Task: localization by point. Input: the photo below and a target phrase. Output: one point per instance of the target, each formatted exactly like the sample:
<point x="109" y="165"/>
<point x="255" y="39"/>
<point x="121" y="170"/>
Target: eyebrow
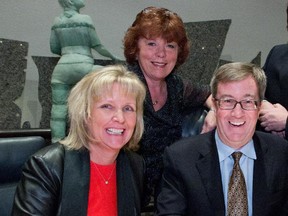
<point x="245" y="96"/>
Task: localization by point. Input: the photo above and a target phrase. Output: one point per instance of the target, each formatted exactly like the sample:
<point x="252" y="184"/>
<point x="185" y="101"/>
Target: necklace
<point x="155" y="102"/>
<point x="106" y="181"/>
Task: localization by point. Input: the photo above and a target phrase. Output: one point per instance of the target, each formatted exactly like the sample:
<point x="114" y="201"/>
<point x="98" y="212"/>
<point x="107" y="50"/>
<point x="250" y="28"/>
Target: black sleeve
<point x="38" y="191"/>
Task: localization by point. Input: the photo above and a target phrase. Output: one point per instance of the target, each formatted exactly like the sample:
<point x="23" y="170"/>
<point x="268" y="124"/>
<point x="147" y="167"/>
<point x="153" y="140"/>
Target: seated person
<point x="233" y="170"/>
<point x="92" y="171"/>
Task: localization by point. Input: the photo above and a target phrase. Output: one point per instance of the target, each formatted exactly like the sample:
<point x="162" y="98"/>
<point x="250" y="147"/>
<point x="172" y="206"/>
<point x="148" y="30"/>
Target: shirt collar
<point x="225" y="151"/>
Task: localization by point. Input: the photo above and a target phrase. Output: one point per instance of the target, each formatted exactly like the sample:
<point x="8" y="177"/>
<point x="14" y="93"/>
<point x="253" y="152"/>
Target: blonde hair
<point x="89" y="90"/>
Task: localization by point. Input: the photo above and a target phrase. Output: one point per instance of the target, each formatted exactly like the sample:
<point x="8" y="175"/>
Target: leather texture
<point x="56" y="182"/>
<point x="14" y="151"/>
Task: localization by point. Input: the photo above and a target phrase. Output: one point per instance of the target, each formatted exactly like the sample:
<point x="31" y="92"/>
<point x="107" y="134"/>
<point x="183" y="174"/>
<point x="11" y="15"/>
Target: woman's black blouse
<point x="164" y="127"/>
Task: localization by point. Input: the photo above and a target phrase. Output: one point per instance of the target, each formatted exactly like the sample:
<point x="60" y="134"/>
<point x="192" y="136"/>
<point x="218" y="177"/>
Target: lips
<point x="114" y="131"/>
<point x="158" y="64"/>
<point x="236" y="124"/>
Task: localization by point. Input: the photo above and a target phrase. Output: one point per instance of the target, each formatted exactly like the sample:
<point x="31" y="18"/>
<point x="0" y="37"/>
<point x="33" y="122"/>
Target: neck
<point x="158" y="94"/>
<point x="72" y="9"/>
<point x="156" y="87"/>
<point x="69" y="13"/>
<point x="102" y="157"/>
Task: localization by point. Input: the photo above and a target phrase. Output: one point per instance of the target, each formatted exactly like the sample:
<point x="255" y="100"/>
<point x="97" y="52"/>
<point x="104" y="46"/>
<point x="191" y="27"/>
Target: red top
<point x="102" y="197"/>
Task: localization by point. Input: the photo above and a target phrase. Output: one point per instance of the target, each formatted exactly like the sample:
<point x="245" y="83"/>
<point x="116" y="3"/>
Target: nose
<point x="119" y="116"/>
<point x="237" y="111"/>
<point x="161" y="51"/>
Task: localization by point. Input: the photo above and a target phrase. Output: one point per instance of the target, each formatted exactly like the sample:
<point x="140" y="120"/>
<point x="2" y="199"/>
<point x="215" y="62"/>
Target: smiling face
<point x="156" y="57"/>
<point x="112" y="121"/>
<point x="236" y="127"/>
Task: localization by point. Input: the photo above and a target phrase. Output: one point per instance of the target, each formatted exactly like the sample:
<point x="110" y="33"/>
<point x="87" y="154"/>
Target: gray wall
<point x="257" y="25"/>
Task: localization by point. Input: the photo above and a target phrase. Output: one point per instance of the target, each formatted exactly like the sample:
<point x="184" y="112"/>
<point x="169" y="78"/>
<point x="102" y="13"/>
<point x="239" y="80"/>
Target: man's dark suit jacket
<point x="56" y="182"/>
<point x="276" y="70"/>
<point x="191" y="183"/>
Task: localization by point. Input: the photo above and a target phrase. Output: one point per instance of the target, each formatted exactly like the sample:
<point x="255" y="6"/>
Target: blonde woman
<point x="93" y="170"/>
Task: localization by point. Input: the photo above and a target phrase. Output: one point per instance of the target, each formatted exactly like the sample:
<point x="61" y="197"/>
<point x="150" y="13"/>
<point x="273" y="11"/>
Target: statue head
<point x="72" y="4"/>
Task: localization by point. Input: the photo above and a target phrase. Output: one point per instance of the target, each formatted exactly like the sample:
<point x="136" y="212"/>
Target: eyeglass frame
<point x="218" y="100"/>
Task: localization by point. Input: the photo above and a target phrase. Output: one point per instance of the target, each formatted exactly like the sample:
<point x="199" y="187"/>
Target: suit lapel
<point x="75" y="186"/>
<point x="209" y="170"/>
<point x="259" y="179"/>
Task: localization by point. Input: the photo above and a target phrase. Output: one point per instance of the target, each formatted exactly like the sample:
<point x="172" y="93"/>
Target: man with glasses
<point x="203" y="175"/>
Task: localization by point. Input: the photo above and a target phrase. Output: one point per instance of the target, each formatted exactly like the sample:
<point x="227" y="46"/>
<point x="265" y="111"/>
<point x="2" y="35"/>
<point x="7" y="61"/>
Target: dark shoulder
<point x="200" y="143"/>
<point x="270" y="138"/>
<point x="272" y="148"/>
<point x="52" y="151"/>
<point x="281" y="46"/>
<point x="279" y="49"/>
<point x="271" y="141"/>
<point x="49" y="157"/>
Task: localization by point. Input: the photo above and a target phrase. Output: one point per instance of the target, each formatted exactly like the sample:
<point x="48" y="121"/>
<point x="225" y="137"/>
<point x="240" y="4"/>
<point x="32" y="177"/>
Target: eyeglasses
<point x="230" y="104"/>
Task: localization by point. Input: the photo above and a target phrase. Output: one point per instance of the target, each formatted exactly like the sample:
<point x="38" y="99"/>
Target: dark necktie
<point x="237" y="193"/>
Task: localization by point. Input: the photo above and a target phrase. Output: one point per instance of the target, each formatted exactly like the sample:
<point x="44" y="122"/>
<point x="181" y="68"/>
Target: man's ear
<point x="214" y="102"/>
